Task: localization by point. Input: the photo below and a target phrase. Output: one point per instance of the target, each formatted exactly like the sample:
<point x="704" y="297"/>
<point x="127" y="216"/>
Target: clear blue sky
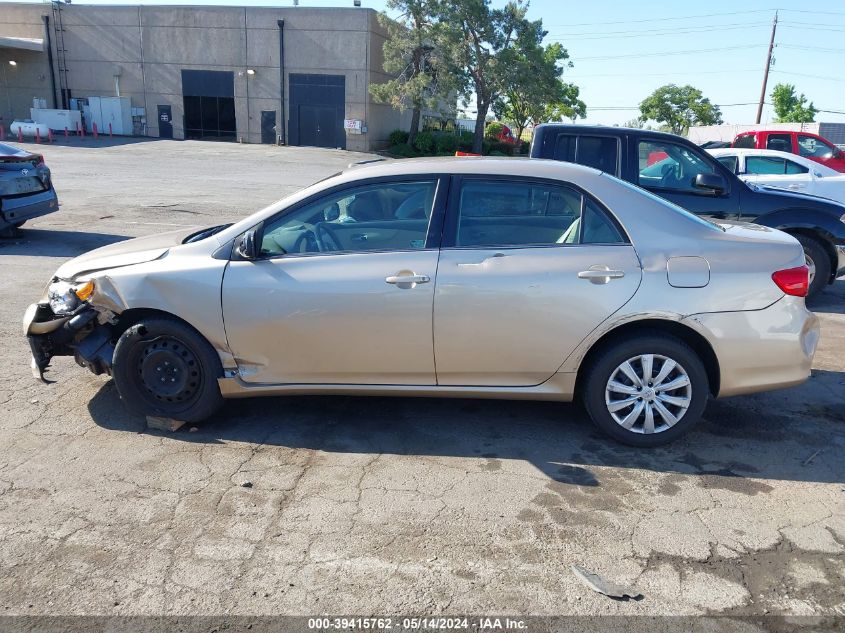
<point x="622" y="50"/>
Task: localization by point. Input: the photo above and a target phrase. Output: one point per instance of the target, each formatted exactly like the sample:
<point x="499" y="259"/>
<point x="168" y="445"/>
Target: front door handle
<point x="600" y="274"/>
<point x="407" y="280"/>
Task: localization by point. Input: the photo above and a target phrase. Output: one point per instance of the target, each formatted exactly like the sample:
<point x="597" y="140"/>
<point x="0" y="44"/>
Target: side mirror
<point x="714" y="182"/>
<point x="331" y="212"/>
<point x="246" y="247"/>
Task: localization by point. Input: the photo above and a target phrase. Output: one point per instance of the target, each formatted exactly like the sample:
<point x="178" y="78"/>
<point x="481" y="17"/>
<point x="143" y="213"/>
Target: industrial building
<point x="293" y="75"/>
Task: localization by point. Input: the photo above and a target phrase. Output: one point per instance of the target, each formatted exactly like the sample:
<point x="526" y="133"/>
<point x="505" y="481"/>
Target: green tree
<point x="790" y="107"/>
<point x="679" y="107"/>
<point x="411" y="56"/>
<point x="537" y="94"/>
<point x="484" y="47"/>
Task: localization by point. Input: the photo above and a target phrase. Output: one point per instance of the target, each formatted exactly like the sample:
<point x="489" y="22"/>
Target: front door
<point x="669" y="169"/>
<point x="317" y="126"/>
<point x="268" y="126"/>
<point x="528" y="270"/>
<point x="343" y="292"/>
<point x="165" y="122"/>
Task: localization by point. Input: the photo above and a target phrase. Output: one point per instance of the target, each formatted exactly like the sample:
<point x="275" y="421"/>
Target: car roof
<point x="606" y="130"/>
<point x="486" y="165"/>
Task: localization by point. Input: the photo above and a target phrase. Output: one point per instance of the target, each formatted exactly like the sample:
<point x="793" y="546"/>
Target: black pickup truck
<point x="676" y="169"/>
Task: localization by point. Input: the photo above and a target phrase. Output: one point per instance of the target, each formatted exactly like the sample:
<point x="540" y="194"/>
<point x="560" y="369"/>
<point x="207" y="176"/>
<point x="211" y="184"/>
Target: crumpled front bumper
<point x="79" y="334"/>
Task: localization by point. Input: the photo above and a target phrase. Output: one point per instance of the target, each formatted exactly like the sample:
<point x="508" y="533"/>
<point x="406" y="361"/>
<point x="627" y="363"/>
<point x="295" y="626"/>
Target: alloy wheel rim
<point x="811" y="265"/>
<point x="649" y="393"/>
<point x="169" y="371"/>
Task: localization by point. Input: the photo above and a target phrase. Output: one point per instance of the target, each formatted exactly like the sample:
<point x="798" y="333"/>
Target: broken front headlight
<point x="65" y="297"/>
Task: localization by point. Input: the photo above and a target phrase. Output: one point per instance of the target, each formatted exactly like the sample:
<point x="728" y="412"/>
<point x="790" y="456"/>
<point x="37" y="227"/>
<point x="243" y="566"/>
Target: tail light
<point x="38" y="159"/>
<point x="793" y="281"/>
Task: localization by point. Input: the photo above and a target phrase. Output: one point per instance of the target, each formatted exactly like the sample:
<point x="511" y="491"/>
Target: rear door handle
<point x="600" y="274"/>
<point x="408" y="279"/>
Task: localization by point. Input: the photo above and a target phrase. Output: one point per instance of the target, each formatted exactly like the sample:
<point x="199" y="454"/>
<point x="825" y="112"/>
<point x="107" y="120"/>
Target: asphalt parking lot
<point x="383" y="506"/>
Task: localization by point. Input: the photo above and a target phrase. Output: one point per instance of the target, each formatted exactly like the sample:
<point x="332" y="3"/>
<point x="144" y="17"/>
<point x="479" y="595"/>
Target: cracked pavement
<point x="376" y="505"/>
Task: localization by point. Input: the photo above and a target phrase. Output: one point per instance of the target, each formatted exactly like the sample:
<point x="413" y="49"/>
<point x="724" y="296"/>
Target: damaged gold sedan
<point x="441" y="277"/>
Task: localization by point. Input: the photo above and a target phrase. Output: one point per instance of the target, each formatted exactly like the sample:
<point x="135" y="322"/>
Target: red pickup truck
<point x="805" y="144"/>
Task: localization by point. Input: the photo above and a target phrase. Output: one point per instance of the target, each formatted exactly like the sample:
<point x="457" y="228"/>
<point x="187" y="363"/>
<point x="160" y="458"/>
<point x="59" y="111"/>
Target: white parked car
<point x="784" y="171"/>
<point x="28" y="127"/>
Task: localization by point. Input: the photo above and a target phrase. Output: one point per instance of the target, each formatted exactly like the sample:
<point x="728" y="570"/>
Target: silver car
<point x="467" y="277"/>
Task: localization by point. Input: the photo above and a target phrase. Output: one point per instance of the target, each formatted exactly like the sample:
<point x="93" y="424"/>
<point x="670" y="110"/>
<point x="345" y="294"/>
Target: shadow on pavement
<point x="831" y="299"/>
<point x="50" y="243"/>
<point x="734" y="443"/>
<point x="88" y="141"/>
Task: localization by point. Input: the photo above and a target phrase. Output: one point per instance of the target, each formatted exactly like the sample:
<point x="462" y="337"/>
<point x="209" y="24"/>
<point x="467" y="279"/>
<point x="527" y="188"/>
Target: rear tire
<point x="163" y="367"/>
<point x="818" y="261"/>
<point x="625" y="404"/>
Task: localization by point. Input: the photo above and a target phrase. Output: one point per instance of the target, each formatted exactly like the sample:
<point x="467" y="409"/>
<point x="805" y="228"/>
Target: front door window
<point x="665" y="165"/>
<point x="388" y="216"/>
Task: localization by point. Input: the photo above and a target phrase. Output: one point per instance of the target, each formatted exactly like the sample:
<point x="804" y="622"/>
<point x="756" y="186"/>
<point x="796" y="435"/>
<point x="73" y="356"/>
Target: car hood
<point x="816" y="201"/>
<point x="127" y="253"/>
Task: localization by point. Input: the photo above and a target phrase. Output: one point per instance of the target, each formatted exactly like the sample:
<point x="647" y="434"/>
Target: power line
<point x="819" y="49"/>
<point x="818" y="28"/>
<point x="591" y="35"/>
<point x="681" y="72"/>
<point x="667" y="53"/>
<point x="824" y="77"/>
<point x="813" y="12"/>
<point x="682" y="17"/>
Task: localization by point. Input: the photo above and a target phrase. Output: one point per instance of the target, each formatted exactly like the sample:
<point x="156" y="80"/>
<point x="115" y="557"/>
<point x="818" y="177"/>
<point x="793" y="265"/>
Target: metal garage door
<point x="209" y="99"/>
<point x="317" y="108"/>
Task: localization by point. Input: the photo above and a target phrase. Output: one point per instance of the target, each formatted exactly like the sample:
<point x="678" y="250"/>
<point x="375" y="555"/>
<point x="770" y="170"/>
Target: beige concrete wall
<point x="30" y="77"/>
<point x="149" y="46"/>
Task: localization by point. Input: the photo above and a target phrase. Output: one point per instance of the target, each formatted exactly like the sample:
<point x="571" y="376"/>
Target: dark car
<point x="26" y="190"/>
<point x="676" y="169"/>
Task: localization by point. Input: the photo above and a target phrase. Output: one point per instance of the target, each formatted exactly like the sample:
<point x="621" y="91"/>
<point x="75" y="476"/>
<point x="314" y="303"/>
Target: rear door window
<point x="779" y="142"/>
<point x="565" y="148"/>
<point x="494" y="213"/>
<point x="598" y="152"/>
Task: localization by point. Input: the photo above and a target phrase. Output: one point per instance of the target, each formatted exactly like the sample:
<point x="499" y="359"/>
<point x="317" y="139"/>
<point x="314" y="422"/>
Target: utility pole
<point x="766" y="70"/>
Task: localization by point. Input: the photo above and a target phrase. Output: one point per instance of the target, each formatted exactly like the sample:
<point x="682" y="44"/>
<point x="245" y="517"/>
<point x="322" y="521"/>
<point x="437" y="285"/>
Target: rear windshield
<point x="8" y="150"/>
<point x="692" y="216"/>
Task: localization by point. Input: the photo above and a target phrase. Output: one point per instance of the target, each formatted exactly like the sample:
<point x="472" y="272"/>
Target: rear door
<point x="528" y="269"/>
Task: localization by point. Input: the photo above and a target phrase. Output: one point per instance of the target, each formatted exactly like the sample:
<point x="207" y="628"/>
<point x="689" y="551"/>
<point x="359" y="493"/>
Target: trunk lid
<point x="21" y="173"/>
